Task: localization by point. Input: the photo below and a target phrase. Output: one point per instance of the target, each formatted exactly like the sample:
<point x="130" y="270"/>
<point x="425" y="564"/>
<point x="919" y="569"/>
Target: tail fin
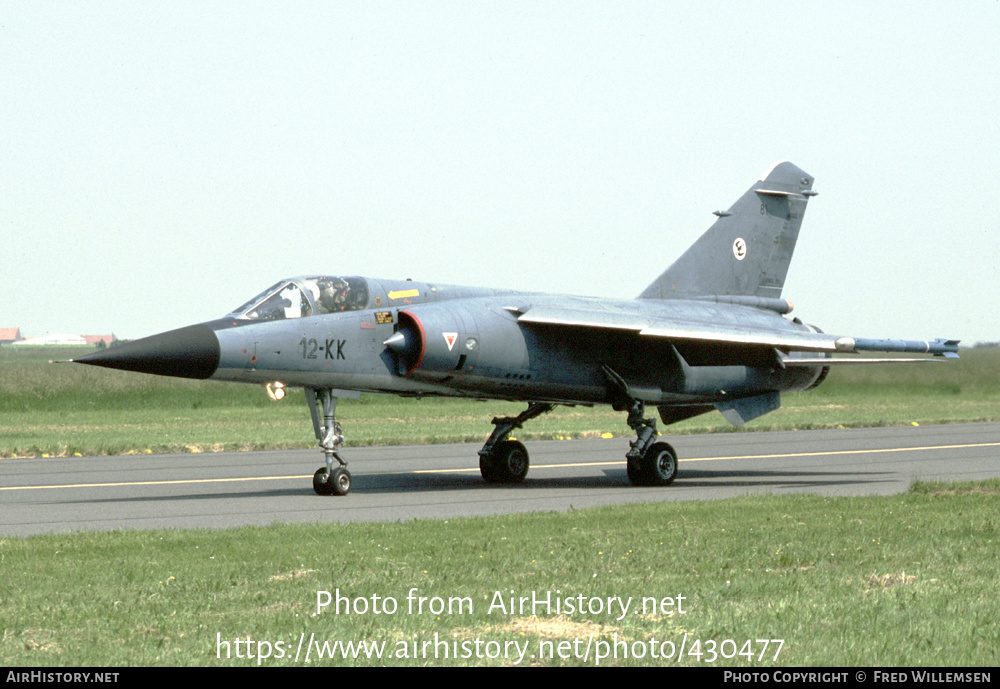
<point x="748" y="249"/>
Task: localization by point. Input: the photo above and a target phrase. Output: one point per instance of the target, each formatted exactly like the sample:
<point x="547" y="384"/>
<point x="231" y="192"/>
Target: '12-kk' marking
<point x="334" y="349"/>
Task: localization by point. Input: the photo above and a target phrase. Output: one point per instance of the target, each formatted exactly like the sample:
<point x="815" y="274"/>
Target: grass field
<point x="908" y="580"/>
<point x="60" y="410"/>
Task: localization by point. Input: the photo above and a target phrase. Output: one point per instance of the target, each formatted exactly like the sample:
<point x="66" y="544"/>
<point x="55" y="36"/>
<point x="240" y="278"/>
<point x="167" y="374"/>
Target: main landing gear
<point x="328" y="480"/>
<point x="649" y="463"/>
<point x="503" y="460"/>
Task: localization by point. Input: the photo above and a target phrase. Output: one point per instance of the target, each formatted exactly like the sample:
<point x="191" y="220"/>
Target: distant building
<point x="10" y="335"/>
<point x="94" y="339"/>
<point x="13" y="336"/>
<point x="56" y="339"/>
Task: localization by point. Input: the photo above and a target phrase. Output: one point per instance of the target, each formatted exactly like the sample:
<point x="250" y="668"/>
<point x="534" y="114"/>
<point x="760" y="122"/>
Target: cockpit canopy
<point x="308" y="296"/>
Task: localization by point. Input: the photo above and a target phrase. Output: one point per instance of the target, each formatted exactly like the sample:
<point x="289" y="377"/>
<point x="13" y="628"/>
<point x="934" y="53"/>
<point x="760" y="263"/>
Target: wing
<point x="731" y="329"/>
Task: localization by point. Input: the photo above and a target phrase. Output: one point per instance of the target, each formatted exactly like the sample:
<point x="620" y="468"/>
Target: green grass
<point x="62" y="410"/>
<point x="905" y="580"/>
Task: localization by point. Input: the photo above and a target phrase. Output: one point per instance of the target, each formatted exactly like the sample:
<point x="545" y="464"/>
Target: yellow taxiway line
<point x="476" y="469"/>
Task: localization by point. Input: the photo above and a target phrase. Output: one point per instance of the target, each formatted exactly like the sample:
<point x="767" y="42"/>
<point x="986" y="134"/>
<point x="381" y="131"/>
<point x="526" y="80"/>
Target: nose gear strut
<point x="328" y="480"/>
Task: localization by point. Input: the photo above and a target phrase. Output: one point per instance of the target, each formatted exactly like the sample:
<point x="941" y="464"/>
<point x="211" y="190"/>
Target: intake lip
<point x="189" y="352"/>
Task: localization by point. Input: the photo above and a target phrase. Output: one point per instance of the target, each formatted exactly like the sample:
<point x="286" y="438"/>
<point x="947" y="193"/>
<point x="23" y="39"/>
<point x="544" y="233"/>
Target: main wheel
<point x="507" y="463"/>
<point x="635" y="475"/>
<point x="486" y="468"/>
<point x="659" y="465"/>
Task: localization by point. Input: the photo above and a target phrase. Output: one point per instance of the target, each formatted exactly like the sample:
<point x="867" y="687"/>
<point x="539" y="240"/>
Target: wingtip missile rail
<point x="939" y="347"/>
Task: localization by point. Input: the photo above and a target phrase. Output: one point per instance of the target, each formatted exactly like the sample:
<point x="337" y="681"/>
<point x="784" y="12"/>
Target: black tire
<point x="320" y="483"/>
<point x="486" y="468"/>
<point x="635" y="474"/>
<point x="341" y="481"/>
<point x="508" y="463"/>
<point x="659" y="465"/>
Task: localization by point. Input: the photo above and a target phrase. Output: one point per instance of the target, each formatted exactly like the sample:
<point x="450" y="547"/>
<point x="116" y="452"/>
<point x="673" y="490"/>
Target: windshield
<point x="306" y="297"/>
<point x="283" y="300"/>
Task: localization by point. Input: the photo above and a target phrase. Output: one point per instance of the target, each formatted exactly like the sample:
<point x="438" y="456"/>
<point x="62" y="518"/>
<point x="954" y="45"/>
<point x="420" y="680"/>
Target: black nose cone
<point x="191" y="352"/>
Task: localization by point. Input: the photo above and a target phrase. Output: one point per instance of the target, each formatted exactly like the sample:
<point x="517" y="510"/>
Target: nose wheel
<point x="339" y="483"/>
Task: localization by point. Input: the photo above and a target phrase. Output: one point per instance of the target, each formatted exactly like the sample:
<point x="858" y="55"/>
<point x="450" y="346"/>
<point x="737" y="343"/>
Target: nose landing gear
<point x="328" y="480"/>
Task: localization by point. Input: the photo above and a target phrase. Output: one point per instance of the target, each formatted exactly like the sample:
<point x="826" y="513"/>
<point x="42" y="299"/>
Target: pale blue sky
<point x="162" y="162"/>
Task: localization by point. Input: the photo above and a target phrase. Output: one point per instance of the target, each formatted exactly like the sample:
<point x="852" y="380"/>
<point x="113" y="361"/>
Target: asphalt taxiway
<point x="229" y="489"/>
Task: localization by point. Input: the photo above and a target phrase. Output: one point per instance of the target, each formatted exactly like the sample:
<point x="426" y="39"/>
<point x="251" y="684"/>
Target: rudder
<point x="747" y="251"/>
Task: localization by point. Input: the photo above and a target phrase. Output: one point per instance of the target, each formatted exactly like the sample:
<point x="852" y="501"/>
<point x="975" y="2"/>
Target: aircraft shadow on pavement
<point x="617" y="479"/>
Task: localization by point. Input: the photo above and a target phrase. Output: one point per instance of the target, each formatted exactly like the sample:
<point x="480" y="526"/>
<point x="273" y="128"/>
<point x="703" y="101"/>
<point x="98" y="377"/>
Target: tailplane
<point x="748" y="249"/>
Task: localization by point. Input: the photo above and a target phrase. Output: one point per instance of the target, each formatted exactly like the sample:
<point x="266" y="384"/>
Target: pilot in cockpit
<point x="333" y="294"/>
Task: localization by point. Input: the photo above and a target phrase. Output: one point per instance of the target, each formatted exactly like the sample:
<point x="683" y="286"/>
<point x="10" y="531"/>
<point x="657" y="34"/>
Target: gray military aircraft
<point x="710" y="333"/>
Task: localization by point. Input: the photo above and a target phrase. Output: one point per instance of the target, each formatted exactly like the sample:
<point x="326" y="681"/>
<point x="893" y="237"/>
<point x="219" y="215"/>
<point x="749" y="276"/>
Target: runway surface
<point x="437" y="481"/>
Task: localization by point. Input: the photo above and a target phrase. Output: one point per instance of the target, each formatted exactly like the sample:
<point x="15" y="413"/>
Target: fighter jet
<point x="711" y="333"/>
